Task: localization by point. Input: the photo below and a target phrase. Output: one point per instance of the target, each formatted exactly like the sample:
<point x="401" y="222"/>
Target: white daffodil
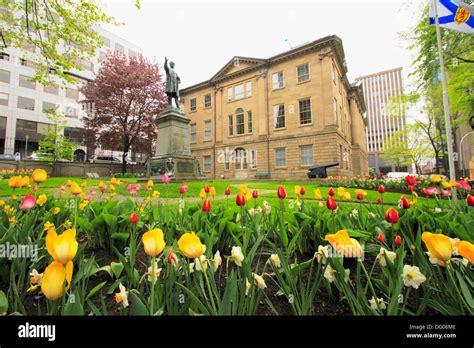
<point x="191" y="267"/>
<point x="299" y="204"/>
<point x="434" y="260"/>
<point x="378" y="303"/>
<point x="383" y="254"/>
<point x="259" y="281"/>
<point x="322" y="254"/>
<point x="321" y="204"/>
<point x="438" y="210"/>
<point x="122" y="296"/>
<point x="372" y="215"/>
<point x="275" y="260"/>
<point x="267" y="208"/>
<point x="330" y="274"/>
<point x="236" y="255"/>
<point x="354" y="213"/>
<point x="157" y="272"/>
<point x="216" y="261"/>
<point x="200" y="263"/>
<point x="247" y="287"/>
<point x="237" y="218"/>
<point x="412" y="276"/>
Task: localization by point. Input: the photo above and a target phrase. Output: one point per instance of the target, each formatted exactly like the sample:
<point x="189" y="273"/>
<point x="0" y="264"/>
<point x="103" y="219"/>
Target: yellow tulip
<point x="317" y="194"/>
<point x="84" y="184"/>
<point x="212" y="191"/>
<point x="150" y="183"/>
<point x="465" y="249"/>
<point x="435" y="178"/>
<point x="75" y="189"/>
<point x="343" y="244"/>
<point x="39" y="175"/>
<point x="153" y="242"/>
<point x="52" y="284"/>
<point x="347" y="196"/>
<point x="202" y="194"/>
<point x="341" y="192"/>
<point x="156" y="194"/>
<point x="297" y="190"/>
<point x="191" y="246"/>
<point x="439" y="246"/>
<point x="62" y="248"/>
<point x="14" y="182"/>
<point x="24" y="181"/>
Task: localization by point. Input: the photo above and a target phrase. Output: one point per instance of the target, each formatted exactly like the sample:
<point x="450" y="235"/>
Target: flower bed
<point x="86" y="252"/>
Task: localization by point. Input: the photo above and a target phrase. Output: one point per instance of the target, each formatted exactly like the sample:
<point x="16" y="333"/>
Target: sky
<point x="201" y="37"/>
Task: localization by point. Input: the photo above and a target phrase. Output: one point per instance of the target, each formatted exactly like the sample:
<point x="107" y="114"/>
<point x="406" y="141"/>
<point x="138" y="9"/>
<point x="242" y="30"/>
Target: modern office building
<point x="277" y="117"/>
<point x="23" y="102"/>
<point x="382" y="121"/>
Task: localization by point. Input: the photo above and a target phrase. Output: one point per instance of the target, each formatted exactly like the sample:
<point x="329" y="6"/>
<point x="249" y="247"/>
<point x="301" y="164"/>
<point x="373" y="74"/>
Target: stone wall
<point x="75" y="169"/>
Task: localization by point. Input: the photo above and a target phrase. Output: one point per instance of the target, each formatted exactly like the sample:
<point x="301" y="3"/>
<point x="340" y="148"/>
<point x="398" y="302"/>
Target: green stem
<point x="208" y="286"/>
<point x="152" y="285"/>
<point x="370" y="285"/>
<point x="75" y="211"/>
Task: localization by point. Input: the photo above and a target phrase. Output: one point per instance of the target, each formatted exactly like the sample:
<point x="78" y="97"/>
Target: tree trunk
<point x="126" y="147"/>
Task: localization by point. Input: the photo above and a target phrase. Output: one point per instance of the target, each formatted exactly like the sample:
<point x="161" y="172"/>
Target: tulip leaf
<point x="137" y="307"/>
<point x="116" y="268"/>
<point x="465" y="291"/>
<point x="3" y="302"/>
<point x="123" y="236"/>
<point x="95" y="289"/>
<point x="73" y="305"/>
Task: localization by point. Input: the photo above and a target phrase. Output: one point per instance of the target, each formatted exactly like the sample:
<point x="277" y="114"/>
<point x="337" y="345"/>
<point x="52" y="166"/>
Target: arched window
<point x="240" y="158"/>
<point x="239" y="121"/>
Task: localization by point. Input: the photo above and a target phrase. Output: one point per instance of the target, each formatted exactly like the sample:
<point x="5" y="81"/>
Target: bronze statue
<point x="172" y="83"/>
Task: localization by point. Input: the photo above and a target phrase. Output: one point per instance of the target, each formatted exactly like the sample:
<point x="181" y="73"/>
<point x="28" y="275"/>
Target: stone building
<point x="276" y="117"/>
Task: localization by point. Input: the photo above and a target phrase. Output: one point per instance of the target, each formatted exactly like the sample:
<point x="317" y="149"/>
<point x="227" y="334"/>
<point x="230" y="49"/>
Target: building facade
<point x="379" y="90"/>
<point x="24" y="102"/>
<point x="277" y="117"/>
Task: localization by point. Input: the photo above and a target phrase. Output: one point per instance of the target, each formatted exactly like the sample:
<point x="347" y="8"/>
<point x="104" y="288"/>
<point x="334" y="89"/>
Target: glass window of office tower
<point x="105" y="41"/>
<point x="72" y="93"/>
<point x="26" y="103"/>
<point x="49" y="106"/>
<point x="25" y="81"/>
<point x="52" y="89"/>
<point x="4" y="99"/>
<point x="119" y="47"/>
<point x="4" y="76"/>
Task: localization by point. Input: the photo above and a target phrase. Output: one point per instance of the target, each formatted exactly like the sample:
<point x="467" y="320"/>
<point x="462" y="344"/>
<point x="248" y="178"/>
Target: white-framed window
<point x="248" y="89"/>
<point x="305" y="111"/>
<point x="207" y="101"/>
<point x="306" y="155"/>
<point x="193" y="133"/>
<point x="4" y="97"/>
<point x="239" y="122"/>
<point x="4" y="76"/>
<point x="226" y="161"/>
<point x="207" y="130"/>
<point x="207" y="163"/>
<point x="335" y="110"/>
<point x="105" y="41"/>
<point x="239" y="91"/>
<point x="249" y="122"/>
<point x="72" y="93"/>
<point x="25" y="81"/>
<point x="49" y="106"/>
<point x="254" y="159"/>
<point x="25" y="103"/>
<point x="240" y="158"/>
<point x="119" y="47"/>
<point x="51" y="89"/>
<point x="231" y="125"/>
<point x="302" y="71"/>
<point x="279" y="116"/>
<point x="280" y="157"/>
<point x="229" y="94"/>
<point x="277" y="80"/>
<point x="192" y="104"/>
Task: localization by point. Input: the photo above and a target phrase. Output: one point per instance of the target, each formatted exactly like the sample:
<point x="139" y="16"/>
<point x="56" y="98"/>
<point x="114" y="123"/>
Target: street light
<point x="461" y="164"/>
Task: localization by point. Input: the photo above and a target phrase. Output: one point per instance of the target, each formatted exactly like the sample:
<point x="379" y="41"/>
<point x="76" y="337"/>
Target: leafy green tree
<point x="59" y="34"/>
<point x="55" y="144"/>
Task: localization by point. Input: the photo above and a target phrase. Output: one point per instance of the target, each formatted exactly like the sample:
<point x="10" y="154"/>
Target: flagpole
<point x="447" y="117"/>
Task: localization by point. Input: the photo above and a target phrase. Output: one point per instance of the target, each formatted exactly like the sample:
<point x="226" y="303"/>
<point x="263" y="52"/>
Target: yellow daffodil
<point x="39" y="175"/>
<point x="191" y="246"/>
<point x="84" y="184"/>
<point x="12" y="220"/>
<point x="2" y="202"/>
<point x="150" y="183"/>
<point x="63" y="247"/>
<point x="259" y="281"/>
<point x="317" y="194"/>
<point x="122" y="296"/>
<point x="41" y="200"/>
<point x="439" y="246"/>
<point x="153" y="242"/>
<point x="47" y="226"/>
<point x="56" y="210"/>
<point x="275" y="260"/>
<point x="343" y="244"/>
<point x="466" y="250"/>
<point x="83" y="204"/>
<point x="156" y="194"/>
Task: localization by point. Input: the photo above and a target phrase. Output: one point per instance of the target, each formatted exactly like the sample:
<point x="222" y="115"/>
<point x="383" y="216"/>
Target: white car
<point x="396" y="175"/>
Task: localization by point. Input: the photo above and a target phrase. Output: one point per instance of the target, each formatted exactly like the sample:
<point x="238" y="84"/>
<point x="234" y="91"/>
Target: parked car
<point x="396" y="175"/>
<point x="5" y="157"/>
<point x="41" y="156"/>
<point x="104" y="159"/>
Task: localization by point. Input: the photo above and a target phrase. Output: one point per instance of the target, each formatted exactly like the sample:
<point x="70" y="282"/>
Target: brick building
<point x="276" y="117"/>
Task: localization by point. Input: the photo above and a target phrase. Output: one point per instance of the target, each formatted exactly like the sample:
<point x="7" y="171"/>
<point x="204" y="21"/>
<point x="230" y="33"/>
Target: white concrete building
<point x="22" y="102"/>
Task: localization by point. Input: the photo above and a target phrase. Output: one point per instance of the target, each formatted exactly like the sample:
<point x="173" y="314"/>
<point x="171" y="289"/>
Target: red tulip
<point x="302" y="191"/>
<point x="331" y="192"/>
<point x="463" y="185"/>
<point x="411" y="188"/>
<point x="281" y="192"/>
<point x="227" y="191"/>
<point x="133" y="218"/>
<point x="398" y="240"/>
<point x="103" y="188"/>
<point x="379" y="200"/>
<point x="360" y="196"/>
<point x="206" y="205"/>
<point x="403" y="203"/>
<point x="172" y="257"/>
<point x="470" y="200"/>
<point x="380" y="238"/>
<point x="331" y="203"/>
<point x="240" y="199"/>
<point x="206" y="188"/>
<point x="381" y="189"/>
<point x="35" y="187"/>
<point x="183" y="188"/>
<point x="28" y="202"/>
<point x="391" y="215"/>
<point x="255" y="194"/>
<point x="410" y="180"/>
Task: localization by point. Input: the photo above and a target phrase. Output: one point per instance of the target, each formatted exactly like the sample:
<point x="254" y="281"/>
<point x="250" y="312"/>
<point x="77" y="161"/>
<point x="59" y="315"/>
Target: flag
<point x="454" y="15"/>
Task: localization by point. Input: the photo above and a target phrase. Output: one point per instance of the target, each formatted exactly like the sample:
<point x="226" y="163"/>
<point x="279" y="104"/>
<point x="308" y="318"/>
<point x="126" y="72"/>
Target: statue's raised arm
<point x="172" y="83"/>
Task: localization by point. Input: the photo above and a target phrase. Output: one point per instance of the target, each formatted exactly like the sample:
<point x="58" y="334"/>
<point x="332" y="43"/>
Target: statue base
<point x="173" y="154"/>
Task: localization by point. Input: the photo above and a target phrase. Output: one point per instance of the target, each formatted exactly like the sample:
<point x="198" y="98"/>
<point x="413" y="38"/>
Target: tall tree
<point x="59" y="34"/>
<point x="126" y="96"/>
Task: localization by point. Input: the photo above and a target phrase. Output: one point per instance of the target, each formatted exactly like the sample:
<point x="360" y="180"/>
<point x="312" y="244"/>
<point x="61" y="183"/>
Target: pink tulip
<point x="34" y="188"/>
<point x="62" y="187"/>
<point x="463" y="185"/>
<point x="445" y="193"/>
<point x="166" y="179"/>
<point x="103" y="188"/>
<point x="128" y="186"/>
<point x="133" y="192"/>
<point x="92" y="192"/>
<point x="138" y="187"/>
<point x="431" y="191"/>
<point x="28" y="202"/>
<point x="147" y="188"/>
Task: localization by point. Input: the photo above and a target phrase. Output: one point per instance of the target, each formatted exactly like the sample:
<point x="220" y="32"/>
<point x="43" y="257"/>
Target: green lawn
<point x="266" y="188"/>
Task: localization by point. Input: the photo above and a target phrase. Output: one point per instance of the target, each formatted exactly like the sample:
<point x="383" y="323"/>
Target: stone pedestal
<point x="172" y="152"/>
